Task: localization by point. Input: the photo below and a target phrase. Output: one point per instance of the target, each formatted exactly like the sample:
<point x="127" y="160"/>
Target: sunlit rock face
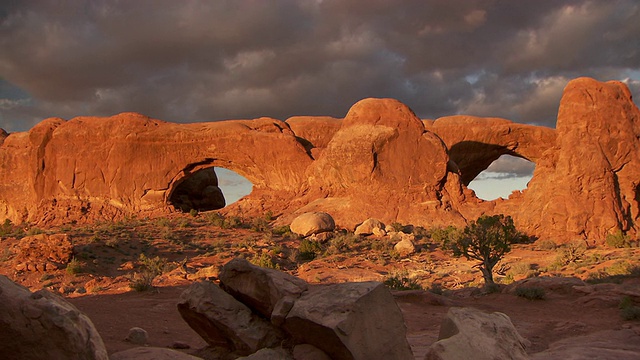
<point x="380" y="161"/>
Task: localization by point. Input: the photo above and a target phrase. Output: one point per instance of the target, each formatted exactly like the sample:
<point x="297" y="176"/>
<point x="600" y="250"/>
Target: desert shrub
<point x="233" y="222"/>
<point x="281" y="230"/>
<point x="402" y="281"/>
<point x="621" y="267"/>
<point x="215" y="219"/>
<point x="193" y="212"/>
<point x="520" y="268"/>
<point x="264" y="260"/>
<point x="163" y="222"/>
<point x="628" y="310"/>
<point x="150" y="269"/>
<point x="308" y="250"/>
<point x="396" y="226"/>
<point x="74" y="267"/>
<point x="530" y="293"/>
<point x="546" y="245"/>
<point x="6" y="254"/>
<point x="268" y="216"/>
<point x="382" y="245"/>
<point x="572" y="252"/>
<point x="35" y="231"/>
<point x="486" y="240"/>
<point x="443" y="236"/>
<point x="618" y="240"/>
<point x="420" y="232"/>
<point x="183" y="223"/>
<point x="6" y="228"/>
<point x="259" y="224"/>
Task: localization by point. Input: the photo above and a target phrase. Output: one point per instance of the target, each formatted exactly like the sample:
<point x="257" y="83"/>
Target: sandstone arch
<point x="128" y="163"/>
<point x="474" y="142"/>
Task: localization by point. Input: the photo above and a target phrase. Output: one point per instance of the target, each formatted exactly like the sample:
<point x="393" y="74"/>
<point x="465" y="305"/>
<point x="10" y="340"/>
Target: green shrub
<point x="264" y="260"/>
<point x="397" y="227"/>
<point x="163" y="222"/>
<point x="308" y="250"/>
<point x="259" y="225"/>
<point x="618" y="240"/>
<point x="621" y="267"/>
<point x="531" y="293"/>
<point x="74" y="267"/>
<point x="150" y="269"/>
<point x="443" y="236"/>
<point x="281" y="230"/>
<point x="402" y="281"/>
<point x="193" y="212"/>
<point x="628" y="310"/>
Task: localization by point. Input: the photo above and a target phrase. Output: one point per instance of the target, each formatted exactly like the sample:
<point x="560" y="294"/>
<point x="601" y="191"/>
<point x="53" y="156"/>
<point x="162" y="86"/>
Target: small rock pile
<point x="259" y="312"/>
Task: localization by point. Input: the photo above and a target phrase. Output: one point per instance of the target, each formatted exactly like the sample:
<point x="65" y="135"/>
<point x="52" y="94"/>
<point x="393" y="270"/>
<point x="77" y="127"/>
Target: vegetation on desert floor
<point x="143" y="254"/>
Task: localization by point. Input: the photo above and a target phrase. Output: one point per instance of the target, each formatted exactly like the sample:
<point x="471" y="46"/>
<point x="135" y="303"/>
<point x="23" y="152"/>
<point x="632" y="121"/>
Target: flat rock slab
<point x="607" y="344"/>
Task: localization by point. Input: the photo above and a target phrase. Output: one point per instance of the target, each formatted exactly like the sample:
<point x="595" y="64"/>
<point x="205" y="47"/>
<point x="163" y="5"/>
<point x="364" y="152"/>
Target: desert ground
<point x="131" y="273"/>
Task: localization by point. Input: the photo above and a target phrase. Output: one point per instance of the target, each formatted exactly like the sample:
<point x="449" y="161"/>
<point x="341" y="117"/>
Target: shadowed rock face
<point x="380" y="161"/>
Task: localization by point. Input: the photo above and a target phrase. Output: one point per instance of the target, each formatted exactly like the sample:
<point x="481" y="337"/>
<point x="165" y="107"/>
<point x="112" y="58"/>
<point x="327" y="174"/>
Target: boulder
<point x="468" y="333"/>
<point x="607" y="344"/>
<point x="35" y="324"/>
<point x="312" y="223"/>
<point x="350" y="321"/>
<point x="221" y="320"/>
<point x="405" y="246"/>
<point x="371" y="227"/>
<point x="43" y="252"/>
<point x="137" y="336"/>
<point x="257" y="287"/>
<point x="151" y="353"/>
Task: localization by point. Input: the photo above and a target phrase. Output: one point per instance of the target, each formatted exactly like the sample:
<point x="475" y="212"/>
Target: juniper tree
<point x="487" y="240"/>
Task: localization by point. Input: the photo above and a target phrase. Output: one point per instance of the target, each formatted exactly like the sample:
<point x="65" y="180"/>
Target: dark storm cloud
<point x="210" y="60"/>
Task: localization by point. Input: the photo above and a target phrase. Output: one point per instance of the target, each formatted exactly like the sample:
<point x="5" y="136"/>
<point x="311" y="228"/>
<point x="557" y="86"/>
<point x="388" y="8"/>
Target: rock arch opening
<point x="209" y="188"/>
<point x="502" y="177"/>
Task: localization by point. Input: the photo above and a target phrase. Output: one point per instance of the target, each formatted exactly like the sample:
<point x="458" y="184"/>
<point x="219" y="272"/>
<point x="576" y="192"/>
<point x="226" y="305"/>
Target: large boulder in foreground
<point x="223" y="321"/>
<point x="43" y="325"/>
<point x="259" y="288"/>
<point x="468" y="333"/>
<point x="350" y="321"/>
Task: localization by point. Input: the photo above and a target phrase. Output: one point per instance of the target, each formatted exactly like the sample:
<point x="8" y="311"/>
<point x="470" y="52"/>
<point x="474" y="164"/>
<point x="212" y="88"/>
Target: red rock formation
<point x="381" y="161"/>
<point x="587" y="185"/>
<point x="89" y="168"/>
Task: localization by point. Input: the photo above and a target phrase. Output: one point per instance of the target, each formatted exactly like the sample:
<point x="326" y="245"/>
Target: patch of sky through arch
<point x="233" y="185"/>
<point x="502" y="177"/>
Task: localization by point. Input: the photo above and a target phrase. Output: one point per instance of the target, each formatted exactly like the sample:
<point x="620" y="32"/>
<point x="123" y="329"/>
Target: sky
<point x="191" y="61"/>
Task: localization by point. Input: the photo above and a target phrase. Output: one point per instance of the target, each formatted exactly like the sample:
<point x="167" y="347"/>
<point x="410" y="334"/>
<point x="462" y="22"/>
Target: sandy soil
<point x="109" y="258"/>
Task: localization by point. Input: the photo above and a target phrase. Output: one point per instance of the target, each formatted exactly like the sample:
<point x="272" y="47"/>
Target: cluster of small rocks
<point x="319" y="226"/>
